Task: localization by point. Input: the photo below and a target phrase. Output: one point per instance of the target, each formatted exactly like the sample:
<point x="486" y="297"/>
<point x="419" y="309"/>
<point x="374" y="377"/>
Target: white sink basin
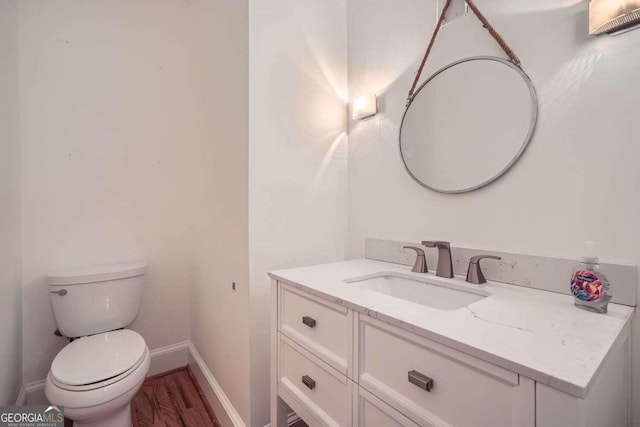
<point x="442" y="294"/>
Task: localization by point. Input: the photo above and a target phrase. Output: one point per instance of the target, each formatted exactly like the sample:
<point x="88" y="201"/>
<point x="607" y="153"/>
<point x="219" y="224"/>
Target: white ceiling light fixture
<point x="612" y="16"/>
<point x="364" y="107"/>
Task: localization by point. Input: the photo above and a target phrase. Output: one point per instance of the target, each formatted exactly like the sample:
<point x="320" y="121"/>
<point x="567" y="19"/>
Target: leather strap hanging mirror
<point x="469" y="122"/>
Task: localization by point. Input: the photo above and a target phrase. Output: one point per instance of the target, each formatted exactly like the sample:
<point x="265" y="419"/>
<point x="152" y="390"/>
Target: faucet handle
<point x="436" y="244"/>
<point x="476" y="259"/>
<point x="420" y="266"/>
<point x="474" y="272"/>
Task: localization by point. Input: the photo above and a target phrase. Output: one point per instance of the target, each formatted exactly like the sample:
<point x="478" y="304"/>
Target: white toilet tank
<point x="91" y="300"/>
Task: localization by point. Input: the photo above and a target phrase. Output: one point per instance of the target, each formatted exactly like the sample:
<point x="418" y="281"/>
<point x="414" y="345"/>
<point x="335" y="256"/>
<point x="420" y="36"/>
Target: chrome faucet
<point x="420" y="266"/>
<point x="445" y="266"/>
<point x="474" y="273"/>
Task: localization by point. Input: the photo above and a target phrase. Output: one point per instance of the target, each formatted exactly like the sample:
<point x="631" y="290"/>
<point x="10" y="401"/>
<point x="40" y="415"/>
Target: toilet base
<point x="120" y="418"/>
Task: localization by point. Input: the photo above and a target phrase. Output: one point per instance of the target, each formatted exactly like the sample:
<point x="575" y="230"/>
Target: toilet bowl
<point x="97" y="374"/>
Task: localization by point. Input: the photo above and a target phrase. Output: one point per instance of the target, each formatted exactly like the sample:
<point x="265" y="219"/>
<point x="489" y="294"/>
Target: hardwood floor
<point x="172" y="399"/>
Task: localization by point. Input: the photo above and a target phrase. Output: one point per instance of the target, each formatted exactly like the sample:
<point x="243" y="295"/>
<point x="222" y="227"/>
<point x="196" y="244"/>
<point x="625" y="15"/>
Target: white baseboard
<point x="22" y="397"/>
<point x="169" y="357"/>
<point x="162" y="359"/>
<point x="220" y="403"/>
<point x="34" y="393"/>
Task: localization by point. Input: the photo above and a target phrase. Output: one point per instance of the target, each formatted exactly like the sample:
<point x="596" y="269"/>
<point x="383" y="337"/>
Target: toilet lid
<point x="98" y="357"/>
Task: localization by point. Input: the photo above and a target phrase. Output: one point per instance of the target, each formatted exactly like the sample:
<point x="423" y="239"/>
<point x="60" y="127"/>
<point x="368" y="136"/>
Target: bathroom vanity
<point x="369" y="343"/>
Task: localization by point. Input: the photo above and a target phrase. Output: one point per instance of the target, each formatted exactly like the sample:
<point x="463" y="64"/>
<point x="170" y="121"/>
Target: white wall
<point x="11" y="301"/>
<point x="220" y="315"/>
<point x="297" y="154"/>
<point x="144" y="156"/>
<point x="579" y="178"/>
<point x="109" y="140"/>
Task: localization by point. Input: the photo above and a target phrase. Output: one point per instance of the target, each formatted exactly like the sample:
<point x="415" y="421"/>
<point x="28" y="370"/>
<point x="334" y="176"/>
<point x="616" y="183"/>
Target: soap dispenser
<point x="589" y="285"/>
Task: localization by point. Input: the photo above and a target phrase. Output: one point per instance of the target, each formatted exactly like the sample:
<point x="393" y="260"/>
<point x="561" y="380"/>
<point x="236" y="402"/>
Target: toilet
<point x="97" y="374"/>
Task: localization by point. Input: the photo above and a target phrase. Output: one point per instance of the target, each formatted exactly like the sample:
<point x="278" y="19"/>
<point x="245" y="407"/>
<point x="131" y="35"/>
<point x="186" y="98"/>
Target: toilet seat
<point x="98" y="360"/>
<point x="93" y="401"/>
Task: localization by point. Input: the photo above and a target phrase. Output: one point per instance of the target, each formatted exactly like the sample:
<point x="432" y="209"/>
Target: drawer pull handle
<point x="309" y="382"/>
<point x="421" y="380"/>
<point x="309" y="321"/>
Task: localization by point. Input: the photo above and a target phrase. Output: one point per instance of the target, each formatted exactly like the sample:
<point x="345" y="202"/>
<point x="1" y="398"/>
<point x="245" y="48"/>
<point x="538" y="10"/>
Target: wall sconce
<point x="610" y="16"/>
<point x="364" y="107"/>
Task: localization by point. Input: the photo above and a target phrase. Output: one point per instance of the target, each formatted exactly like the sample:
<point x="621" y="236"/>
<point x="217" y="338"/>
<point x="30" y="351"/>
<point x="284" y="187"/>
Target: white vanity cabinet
<point x="335" y="366"/>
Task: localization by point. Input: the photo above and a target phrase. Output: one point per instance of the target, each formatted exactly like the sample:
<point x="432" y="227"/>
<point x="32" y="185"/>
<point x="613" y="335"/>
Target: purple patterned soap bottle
<point x="589" y="285"/>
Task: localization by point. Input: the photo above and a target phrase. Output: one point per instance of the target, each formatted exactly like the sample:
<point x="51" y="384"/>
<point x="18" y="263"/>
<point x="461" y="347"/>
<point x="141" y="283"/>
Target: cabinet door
<point x="434" y="385"/>
<point x="373" y="412"/>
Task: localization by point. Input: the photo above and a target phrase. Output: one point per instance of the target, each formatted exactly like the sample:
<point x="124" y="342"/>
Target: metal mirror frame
<point x="523" y="147"/>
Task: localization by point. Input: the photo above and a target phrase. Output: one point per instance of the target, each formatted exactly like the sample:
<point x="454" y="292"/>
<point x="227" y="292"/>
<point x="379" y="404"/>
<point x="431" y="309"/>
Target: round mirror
<point x="468" y="124"/>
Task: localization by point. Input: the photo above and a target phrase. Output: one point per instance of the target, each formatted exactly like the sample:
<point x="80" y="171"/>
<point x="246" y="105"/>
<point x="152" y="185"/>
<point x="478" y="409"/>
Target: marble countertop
<point x="535" y="333"/>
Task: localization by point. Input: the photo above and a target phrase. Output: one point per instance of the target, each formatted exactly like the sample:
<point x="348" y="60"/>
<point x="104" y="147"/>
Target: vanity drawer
<point x="434" y="385"/>
<point x="324" y="394"/>
<point x="323" y="328"/>
<point x="373" y="412"/>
